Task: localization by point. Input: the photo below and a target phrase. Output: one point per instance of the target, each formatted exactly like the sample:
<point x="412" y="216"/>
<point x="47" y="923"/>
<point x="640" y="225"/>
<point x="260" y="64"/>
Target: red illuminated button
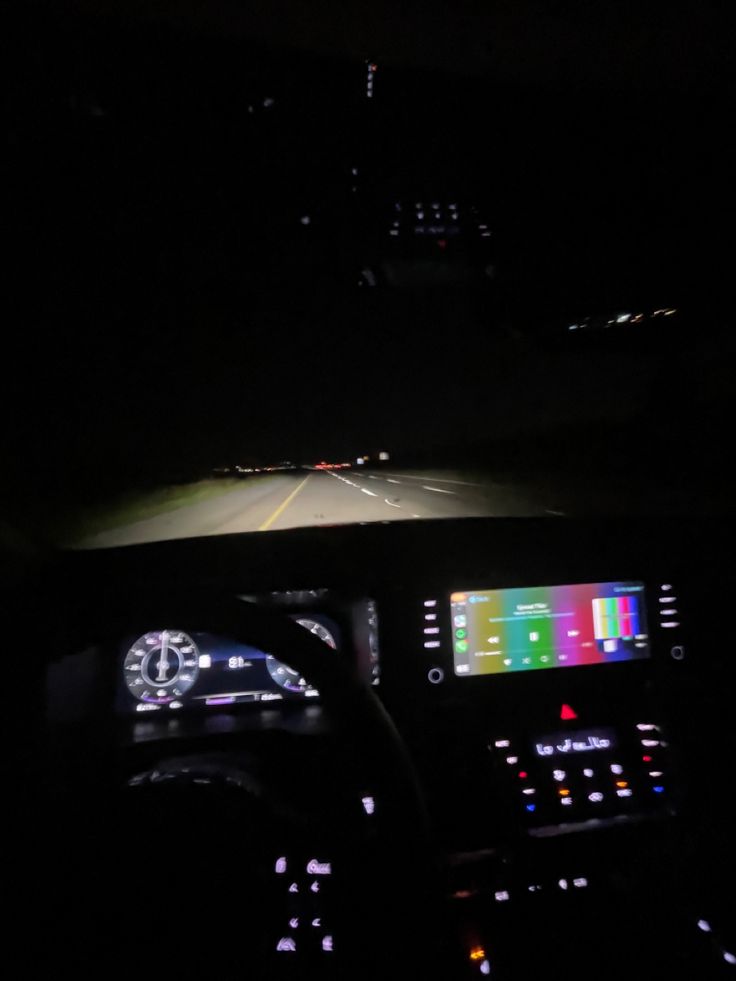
<point x="523" y="774"/>
<point x="567" y="712"/>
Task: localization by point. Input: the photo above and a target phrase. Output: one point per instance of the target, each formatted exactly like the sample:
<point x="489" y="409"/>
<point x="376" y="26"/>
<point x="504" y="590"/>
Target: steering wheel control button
<point x="435" y="676"/>
<point x="314" y="867"/>
<point x="369" y="805"/>
<point x="306" y="909"/>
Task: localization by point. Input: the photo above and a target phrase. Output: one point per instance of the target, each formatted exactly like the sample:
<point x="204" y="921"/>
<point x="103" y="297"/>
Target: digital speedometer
<point x="161" y="666"/>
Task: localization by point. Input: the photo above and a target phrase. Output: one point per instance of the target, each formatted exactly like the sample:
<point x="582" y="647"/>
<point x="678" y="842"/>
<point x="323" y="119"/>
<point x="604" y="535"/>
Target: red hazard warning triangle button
<point x="568" y="712"/>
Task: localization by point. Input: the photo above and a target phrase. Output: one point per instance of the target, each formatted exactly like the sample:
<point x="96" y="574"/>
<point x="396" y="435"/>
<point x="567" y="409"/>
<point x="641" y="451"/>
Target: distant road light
<point x="360" y="461"/>
<point x="383" y="455"/>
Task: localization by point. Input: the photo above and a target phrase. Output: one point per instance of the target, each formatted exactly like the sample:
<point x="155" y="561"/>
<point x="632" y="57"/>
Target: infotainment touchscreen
<point x="497" y="631"/>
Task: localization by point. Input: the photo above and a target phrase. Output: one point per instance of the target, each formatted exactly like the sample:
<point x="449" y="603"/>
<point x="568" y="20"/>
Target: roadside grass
<point x="75" y="526"/>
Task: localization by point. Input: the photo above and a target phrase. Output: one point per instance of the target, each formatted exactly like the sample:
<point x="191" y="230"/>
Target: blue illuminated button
<point x="531" y="807"/>
<point x="658" y="790"/>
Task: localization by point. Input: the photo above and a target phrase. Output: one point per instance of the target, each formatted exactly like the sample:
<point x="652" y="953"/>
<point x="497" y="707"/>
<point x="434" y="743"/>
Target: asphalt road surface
<point x="317" y="497"/>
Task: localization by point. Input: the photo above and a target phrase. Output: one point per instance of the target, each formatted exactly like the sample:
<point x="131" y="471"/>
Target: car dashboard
<point x="558" y="685"/>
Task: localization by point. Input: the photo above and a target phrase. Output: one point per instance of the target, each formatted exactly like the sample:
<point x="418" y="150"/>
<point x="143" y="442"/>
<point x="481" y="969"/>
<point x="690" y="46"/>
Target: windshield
<point x="267" y="274"/>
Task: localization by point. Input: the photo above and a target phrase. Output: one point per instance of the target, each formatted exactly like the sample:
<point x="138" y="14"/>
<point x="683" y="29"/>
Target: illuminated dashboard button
<point x="531" y="807"/>
<point x="430" y="603"/>
<point x="587" y="772"/>
<point x="616" y="768"/>
<point x="559" y="774"/>
<point x="327" y="944"/>
<point x="624" y="793"/>
<point x="567" y="801"/>
<point x="512" y="760"/>
<point x="670" y="624"/>
<point x="529" y="790"/>
<point x="655" y="773"/>
<point x="580" y="883"/>
<point x="429" y="644"/>
<point x="646" y="727"/>
<point x="431" y="630"/>
<point x="502" y="896"/>
<point x="435" y="676"/>
<point x="502" y="743"/>
<point x="650" y="742"/>
<point x="281" y="865"/>
<point x="286" y="945"/>
<point x="315" y="867"/>
<point x="596" y="797"/>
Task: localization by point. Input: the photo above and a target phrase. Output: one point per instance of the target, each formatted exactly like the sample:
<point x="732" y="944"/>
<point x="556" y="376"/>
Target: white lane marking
<point x="438" y="490"/>
<point x="343" y="479"/>
<point x="371" y="477"/>
<point x="393" y="481"/>
<point x="366" y="491"/>
<point x="560" y="514"/>
<point x="437" y="480"/>
<point x="416" y="516"/>
<point x="390" y="503"/>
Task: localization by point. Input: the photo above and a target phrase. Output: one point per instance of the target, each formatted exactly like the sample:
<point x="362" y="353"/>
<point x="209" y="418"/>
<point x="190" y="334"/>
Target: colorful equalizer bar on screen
<point x="497" y="631"/>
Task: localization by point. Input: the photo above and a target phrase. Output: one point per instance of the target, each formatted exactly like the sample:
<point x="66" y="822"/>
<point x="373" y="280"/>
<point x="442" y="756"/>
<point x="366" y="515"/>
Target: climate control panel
<point x="563" y="780"/>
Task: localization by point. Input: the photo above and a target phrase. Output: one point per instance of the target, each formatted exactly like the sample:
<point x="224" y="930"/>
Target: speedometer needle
<point x="163" y="661"/>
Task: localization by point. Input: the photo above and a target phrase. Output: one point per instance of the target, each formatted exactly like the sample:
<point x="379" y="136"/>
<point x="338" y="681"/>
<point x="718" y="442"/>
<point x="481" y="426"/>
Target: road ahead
<point x="290" y="500"/>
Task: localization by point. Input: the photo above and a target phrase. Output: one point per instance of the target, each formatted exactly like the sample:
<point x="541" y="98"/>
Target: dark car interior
<point x="409" y="817"/>
<point x="487" y="743"/>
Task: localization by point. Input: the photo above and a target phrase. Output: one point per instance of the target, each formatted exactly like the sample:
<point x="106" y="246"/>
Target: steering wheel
<point x="137" y="851"/>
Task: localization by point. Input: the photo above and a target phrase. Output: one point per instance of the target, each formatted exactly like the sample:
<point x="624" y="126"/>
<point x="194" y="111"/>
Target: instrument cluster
<point x="170" y="669"/>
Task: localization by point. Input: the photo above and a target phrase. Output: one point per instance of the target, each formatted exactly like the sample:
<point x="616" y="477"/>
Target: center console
<point x="555" y="781"/>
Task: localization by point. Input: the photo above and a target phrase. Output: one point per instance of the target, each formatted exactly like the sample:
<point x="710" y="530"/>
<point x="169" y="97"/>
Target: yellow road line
<point x="282" y="507"/>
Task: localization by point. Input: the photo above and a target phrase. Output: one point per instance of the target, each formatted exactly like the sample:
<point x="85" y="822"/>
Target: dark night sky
<point x="171" y="313"/>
